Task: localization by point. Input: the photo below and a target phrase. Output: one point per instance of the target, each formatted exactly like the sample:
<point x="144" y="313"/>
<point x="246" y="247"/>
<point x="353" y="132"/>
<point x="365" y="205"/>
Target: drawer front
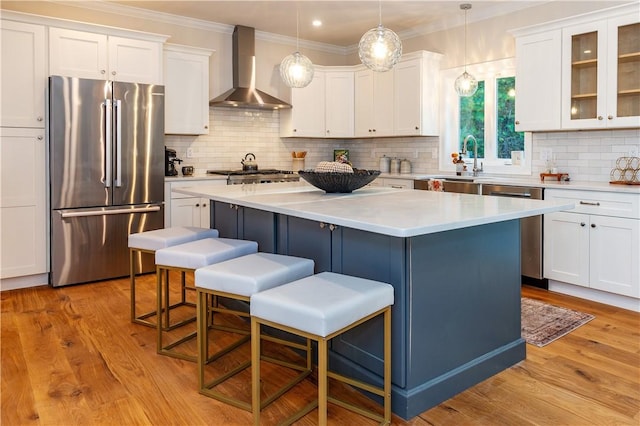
<point x="598" y="203"/>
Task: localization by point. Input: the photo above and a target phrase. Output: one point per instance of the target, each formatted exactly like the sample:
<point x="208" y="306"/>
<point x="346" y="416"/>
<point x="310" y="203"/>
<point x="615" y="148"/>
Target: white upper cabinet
<point x="416" y="94"/>
<point x="538" y="79"/>
<point x="339" y="104"/>
<point x="186" y="81"/>
<point x="23" y="76"/>
<point x="373" y="103"/>
<point x="601" y="74"/>
<point x="306" y="118"/>
<point x="99" y="56"/>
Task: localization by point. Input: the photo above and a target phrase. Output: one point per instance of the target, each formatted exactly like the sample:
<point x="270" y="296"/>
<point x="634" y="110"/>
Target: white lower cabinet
<point x="597" y="245"/>
<point x="23" y="210"/>
<point x="393" y="183"/>
<point x="185" y="210"/>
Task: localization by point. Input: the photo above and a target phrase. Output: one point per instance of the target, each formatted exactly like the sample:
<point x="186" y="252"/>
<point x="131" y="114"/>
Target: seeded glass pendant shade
<point x="466" y="85"/>
<point x="296" y="70"/>
<point x="380" y="48"/>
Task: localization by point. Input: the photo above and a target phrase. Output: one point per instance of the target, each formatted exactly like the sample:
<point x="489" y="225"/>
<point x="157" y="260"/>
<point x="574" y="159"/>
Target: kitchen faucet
<point x="476" y="170"/>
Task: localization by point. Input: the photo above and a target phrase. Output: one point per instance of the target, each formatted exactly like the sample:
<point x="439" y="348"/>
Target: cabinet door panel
<point x="538" y="68"/>
<point x="225" y="219"/>
<point x="407" y="103"/>
<point x="77" y="54"/>
<point x="566" y="247"/>
<point x="185" y="211"/>
<point x="23" y="226"/>
<point x="135" y="61"/>
<point x="363" y="103"/>
<point x="306" y="238"/>
<point x="307" y="114"/>
<point x="22" y="76"/>
<point x="339" y="104"/>
<point x="614" y="255"/>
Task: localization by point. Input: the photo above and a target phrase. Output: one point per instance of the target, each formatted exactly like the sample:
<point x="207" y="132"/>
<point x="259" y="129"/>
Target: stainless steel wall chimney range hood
<point x="244" y="92"/>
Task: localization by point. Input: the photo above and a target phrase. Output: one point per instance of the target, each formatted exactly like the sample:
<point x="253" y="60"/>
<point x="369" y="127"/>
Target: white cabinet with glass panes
<point x="601" y="74"/>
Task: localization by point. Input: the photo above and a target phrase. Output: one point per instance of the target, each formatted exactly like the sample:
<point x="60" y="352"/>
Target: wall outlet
<point x="546" y="154"/>
<point x="189" y="152"/>
<point x="633" y="151"/>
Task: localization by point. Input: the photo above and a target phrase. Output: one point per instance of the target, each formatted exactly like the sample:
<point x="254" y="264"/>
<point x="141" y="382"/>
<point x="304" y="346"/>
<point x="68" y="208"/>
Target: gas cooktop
<point x="249" y="172"/>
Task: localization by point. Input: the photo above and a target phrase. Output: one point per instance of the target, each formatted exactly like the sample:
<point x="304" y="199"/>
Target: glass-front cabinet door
<point x="601" y="74"/>
<point x="623" y="93"/>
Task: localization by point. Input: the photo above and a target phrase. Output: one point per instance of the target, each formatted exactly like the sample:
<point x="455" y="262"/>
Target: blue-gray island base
<point x="456" y="317"/>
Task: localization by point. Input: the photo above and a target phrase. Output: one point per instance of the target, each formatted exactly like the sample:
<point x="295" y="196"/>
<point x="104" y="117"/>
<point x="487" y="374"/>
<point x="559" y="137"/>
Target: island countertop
<point x="387" y="211"/>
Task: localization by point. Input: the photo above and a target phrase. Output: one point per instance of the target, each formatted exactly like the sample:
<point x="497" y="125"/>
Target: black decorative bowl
<point x="339" y="182"/>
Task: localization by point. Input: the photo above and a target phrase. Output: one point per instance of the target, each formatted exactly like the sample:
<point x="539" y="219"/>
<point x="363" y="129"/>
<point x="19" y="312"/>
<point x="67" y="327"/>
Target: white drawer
<point x="598" y="203"/>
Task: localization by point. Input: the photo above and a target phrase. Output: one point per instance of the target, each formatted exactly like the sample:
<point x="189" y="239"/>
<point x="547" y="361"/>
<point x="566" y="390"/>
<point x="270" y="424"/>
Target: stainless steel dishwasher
<point x="530" y="232"/>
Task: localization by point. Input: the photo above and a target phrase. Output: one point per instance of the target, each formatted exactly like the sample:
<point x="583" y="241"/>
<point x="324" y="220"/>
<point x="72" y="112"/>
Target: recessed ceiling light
<point x="316" y="23"/>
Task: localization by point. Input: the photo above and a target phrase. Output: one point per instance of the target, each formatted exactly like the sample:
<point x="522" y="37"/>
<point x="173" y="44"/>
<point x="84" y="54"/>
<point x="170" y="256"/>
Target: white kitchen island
<point x="453" y="260"/>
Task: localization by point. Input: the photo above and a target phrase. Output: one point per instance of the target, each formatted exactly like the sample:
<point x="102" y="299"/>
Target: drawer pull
<point x="589" y="203"/>
<point x="593" y="225"/>
<point x="582" y="224"/>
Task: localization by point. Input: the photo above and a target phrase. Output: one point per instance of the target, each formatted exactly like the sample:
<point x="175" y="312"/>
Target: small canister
<point x="395" y="165"/>
<point x="384" y="164"/>
<point x="405" y="166"/>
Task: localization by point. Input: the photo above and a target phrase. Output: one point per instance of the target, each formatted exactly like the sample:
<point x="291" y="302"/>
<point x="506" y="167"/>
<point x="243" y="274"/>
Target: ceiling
<point x="344" y="22"/>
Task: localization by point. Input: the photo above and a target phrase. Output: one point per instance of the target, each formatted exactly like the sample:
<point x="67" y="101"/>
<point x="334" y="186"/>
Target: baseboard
<point x="24" y="282"/>
<point x="623" y="302"/>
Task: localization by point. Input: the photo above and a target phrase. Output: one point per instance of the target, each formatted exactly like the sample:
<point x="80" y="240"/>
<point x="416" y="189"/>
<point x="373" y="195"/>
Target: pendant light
<point x="296" y="70"/>
<point x="466" y="85"/>
<point x="380" y="48"/>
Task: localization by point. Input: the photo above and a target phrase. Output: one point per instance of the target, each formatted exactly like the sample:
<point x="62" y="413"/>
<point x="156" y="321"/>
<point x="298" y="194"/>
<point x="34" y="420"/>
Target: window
<point x="488" y="115"/>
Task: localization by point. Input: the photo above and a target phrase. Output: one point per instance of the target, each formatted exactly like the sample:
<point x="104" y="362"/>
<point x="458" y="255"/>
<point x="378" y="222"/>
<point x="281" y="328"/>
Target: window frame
<point x="450" y="121"/>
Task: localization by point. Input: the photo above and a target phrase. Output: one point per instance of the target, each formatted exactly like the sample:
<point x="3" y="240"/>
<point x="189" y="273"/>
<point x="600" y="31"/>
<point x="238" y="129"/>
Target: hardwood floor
<point x="70" y="356"/>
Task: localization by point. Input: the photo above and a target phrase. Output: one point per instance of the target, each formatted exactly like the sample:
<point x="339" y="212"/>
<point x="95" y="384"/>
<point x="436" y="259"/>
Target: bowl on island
<point x="338" y="181"/>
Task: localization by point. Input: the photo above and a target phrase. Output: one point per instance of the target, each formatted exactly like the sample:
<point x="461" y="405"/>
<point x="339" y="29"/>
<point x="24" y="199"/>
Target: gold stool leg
<point x="255" y="370"/>
<point x="322" y="381"/>
<point x="387" y="366"/>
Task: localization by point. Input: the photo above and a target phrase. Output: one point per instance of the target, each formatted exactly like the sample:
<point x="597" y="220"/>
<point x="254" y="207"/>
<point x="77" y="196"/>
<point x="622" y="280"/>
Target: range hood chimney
<point x="244" y="92"/>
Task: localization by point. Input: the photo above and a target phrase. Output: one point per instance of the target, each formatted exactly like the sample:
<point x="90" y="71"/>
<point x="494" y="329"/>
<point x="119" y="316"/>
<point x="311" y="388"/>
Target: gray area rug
<point x="543" y="323"/>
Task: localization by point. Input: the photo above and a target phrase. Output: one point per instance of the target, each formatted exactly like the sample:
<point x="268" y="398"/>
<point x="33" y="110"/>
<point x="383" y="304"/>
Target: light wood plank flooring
<point x="70" y="356"/>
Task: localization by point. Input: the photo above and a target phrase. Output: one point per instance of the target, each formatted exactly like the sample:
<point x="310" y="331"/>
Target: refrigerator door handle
<point x="107" y="141"/>
<point x="118" y="109"/>
<point x="66" y="214"/>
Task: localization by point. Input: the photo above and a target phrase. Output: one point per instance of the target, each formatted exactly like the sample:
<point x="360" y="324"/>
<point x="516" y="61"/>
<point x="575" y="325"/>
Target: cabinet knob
<point x="322" y="225"/>
<point x="206" y="127"/>
<point x="582" y="224"/>
<point x="295" y="130"/>
<point x="517" y="121"/>
<point x="40" y="137"/>
<point x="610" y="117"/>
<point x="204" y="205"/>
<point x="39" y="118"/>
<point x="374" y="130"/>
<point x="333" y="227"/>
<point x="417" y="128"/>
<point x="197" y="204"/>
<point x="328" y="131"/>
<point x="593" y="225"/>
<point x="113" y="73"/>
<point x="599" y="117"/>
<point x="103" y="71"/>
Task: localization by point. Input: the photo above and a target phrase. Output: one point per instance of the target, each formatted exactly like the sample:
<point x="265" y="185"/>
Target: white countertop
<point x="181" y="178"/>
<point x="399" y="213"/>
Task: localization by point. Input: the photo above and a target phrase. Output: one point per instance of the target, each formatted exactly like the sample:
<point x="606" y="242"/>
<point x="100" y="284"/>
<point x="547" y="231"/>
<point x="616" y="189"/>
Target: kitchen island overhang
<point x="453" y="259"/>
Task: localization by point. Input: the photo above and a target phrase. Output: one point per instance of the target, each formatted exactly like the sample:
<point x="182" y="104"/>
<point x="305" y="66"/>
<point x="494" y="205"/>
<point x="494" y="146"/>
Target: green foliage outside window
<point x="472" y="120"/>
<point x="508" y="139"/>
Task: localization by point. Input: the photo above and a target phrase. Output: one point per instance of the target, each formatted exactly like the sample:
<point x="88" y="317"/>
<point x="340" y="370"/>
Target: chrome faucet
<point x="476" y="170"/>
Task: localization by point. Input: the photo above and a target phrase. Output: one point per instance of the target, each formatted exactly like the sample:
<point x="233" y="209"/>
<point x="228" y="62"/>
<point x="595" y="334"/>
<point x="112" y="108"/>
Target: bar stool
<point x="320" y="308"/>
<point x="187" y="258"/>
<point x="238" y="279"/>
<point x="149" y="242"/>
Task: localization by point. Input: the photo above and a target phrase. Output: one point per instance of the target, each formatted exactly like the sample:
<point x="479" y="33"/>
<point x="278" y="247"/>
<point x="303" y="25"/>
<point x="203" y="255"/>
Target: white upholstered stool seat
<point x="238" y="279"/>
<point x="187" y="258"/>
<point x="321" y="307"/>
<point x="149" y="242"/>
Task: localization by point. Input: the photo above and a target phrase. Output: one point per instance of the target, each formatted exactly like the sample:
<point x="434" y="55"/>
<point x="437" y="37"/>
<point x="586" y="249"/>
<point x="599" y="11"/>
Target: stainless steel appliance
<point x="106" y="172"/>
<point x="254" y="176"/>
<point x="170" y="161"/>
<point x="530" y="232"/>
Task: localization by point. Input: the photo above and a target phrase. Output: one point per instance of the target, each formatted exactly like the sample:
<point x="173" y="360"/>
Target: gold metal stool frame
<point x="206" y="323"/>
<point x="324" y="374"/>
<point x="142" y="318"/>
<point x="163" y="290"/>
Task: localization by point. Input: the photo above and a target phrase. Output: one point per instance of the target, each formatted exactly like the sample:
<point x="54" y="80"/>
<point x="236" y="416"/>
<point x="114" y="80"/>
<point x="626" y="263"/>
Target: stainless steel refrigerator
<point x="106" y="165"/>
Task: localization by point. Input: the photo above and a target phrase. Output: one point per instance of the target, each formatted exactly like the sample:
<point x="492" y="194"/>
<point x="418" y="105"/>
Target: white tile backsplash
<point x="585" y="155"/>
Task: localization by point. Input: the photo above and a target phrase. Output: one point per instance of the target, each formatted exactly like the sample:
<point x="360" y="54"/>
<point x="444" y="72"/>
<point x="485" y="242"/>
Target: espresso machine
<point x="169" y="162"/>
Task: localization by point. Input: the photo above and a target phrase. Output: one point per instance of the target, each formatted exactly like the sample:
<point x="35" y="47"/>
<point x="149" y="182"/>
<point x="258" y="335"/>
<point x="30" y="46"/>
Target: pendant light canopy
<point x="296" y="70"/>
<point x="380" y="48"/>
<point x="466" y="85"/>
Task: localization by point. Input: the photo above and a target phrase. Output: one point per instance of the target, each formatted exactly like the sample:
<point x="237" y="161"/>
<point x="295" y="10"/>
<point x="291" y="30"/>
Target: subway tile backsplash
<point x="585" y="155"/>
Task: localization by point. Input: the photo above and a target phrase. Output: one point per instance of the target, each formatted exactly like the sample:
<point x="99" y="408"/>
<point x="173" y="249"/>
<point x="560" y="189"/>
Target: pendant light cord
<point x="297" y="27"/>
<point x="465" y="40"/>
<point x="379" y="12"/>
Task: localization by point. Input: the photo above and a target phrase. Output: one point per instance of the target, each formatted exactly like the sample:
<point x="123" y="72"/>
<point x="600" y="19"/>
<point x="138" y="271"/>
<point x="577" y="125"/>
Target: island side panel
<point x="464" y="317"/>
